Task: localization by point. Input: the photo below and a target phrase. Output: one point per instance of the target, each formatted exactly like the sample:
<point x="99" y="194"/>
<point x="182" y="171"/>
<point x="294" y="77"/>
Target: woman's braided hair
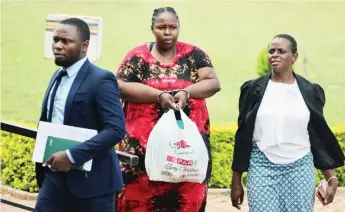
<point x="161" y="10"/>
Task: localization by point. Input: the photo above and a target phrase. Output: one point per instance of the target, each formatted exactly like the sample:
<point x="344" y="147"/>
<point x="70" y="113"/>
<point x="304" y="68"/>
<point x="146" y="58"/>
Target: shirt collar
<point x="73" y="69"/>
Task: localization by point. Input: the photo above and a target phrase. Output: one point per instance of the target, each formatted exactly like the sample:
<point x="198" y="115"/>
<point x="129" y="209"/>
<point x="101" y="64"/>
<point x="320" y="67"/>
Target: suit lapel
<point x="46" y="97"/>
<point x="75" y="85"/>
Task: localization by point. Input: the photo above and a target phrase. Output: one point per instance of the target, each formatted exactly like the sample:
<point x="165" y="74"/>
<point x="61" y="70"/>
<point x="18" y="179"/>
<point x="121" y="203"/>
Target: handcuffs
<point x="173" y="93"/>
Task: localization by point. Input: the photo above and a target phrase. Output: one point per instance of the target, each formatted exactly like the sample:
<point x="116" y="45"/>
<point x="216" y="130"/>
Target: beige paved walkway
<point x="221" y="203"/>
<point x="218" y="201"/>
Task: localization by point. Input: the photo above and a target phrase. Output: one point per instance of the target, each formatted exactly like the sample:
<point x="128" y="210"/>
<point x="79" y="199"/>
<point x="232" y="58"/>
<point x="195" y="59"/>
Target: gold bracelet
<point x="333" y="177"/>
<point x="159" y="95"/>
<point x="188" y="94"/>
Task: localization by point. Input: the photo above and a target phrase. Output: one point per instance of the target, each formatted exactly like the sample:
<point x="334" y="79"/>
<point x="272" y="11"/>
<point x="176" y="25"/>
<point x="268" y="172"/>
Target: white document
<point x="46" y="129"/>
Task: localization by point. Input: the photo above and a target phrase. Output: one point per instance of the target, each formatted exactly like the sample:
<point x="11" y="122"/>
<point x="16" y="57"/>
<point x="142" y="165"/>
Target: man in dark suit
<point x="83" y="95"/>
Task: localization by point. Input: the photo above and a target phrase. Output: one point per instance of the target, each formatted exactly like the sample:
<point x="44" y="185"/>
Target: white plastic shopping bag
<point x="174" y="154"/>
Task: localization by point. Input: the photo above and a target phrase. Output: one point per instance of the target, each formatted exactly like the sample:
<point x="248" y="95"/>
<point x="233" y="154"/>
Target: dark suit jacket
<point x="324" y="146"/>
<point x="93" y="102"/>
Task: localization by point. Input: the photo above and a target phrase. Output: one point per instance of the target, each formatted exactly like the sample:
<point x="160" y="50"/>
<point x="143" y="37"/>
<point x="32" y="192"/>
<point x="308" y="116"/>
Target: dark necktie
<point x="61" y="74"/>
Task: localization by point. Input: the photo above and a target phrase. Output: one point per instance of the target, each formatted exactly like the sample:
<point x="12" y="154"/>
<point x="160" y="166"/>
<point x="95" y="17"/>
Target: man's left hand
<point x="59" y="162"/>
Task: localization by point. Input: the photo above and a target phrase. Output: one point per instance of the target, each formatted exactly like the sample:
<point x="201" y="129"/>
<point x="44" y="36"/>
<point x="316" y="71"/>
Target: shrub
<point x="339" y="131"/>
<point x="18" y="169"/>
<point x="262" y="65"/>
<point x="222" y="147"/>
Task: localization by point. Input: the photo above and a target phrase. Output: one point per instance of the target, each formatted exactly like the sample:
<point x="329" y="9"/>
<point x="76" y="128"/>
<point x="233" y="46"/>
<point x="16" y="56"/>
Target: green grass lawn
<point x="232" y="33"/>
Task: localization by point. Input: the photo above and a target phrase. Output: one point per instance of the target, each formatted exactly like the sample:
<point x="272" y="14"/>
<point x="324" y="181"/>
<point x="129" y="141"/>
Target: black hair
<point x="161" y="10"/>
<point x="81" y="26"/>
<point x="291" y="39"/>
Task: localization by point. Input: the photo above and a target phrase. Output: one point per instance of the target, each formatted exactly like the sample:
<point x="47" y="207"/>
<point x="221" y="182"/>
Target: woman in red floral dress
<point x="155" y="77"/>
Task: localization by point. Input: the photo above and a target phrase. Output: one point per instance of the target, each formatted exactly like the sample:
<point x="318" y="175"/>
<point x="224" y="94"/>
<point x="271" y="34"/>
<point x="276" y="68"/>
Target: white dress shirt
<point x="281" y="126"/>
<point x="61" y="96"/>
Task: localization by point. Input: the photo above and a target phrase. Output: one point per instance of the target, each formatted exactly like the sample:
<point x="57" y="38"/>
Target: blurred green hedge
<point x="18" y="169"/>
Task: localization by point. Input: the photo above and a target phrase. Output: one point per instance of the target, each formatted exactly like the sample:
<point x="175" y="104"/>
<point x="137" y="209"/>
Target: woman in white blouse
<point x="282" y="135"/>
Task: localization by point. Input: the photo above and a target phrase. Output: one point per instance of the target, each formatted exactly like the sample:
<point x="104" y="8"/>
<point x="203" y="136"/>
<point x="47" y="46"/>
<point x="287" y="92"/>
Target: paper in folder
<point x="53" y="138"/>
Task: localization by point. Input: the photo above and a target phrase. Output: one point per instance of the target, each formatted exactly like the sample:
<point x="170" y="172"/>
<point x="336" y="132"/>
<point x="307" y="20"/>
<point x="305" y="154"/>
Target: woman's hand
<point x="332" y="185"/>
<point x="237" y="192"/>
<point x="167" y="101"/>
<point x="180" y="99"/>
<point x="331" y="190"/>
<point x="237" y="195"/>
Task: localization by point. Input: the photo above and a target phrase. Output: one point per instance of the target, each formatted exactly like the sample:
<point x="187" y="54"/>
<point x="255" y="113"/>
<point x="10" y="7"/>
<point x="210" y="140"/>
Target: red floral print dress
<point x="140" y="194"/>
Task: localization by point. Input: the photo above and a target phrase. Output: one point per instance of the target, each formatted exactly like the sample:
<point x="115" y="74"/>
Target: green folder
<point x="55" y="144"/>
